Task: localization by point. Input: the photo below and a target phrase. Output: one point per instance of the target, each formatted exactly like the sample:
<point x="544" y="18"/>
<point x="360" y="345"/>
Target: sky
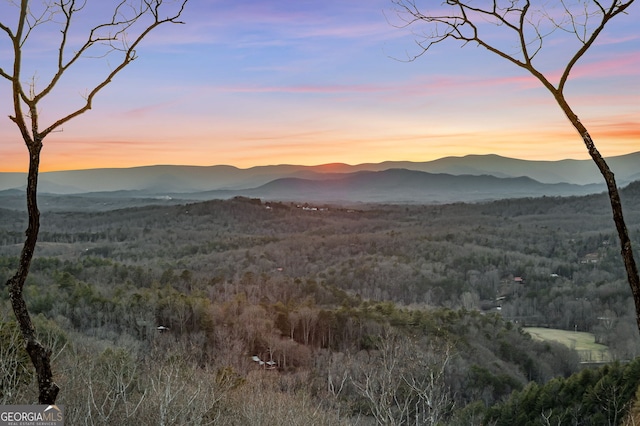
<point x="313" y="82"/>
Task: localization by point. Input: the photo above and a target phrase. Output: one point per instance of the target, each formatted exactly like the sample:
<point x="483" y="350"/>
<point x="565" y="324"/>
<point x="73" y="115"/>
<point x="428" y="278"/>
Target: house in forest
<point x="590" y="258"/>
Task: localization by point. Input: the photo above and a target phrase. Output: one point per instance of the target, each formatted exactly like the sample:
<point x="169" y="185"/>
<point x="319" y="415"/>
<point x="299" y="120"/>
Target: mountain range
<point x="449" y="179"/>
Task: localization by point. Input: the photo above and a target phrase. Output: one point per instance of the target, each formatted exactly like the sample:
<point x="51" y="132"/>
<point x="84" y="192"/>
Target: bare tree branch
<point x="462" y="21"/>
<point x="114" y="33"/>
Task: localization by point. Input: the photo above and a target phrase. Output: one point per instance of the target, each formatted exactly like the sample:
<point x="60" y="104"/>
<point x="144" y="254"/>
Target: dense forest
<point x="247" y="312"/>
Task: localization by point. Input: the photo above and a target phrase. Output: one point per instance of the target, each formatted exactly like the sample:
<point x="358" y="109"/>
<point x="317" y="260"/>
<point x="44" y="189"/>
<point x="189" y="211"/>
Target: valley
<point x="325" y="295"/>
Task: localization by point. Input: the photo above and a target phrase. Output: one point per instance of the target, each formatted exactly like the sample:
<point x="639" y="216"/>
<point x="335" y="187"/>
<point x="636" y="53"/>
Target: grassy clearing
<point x="583" y="342"/>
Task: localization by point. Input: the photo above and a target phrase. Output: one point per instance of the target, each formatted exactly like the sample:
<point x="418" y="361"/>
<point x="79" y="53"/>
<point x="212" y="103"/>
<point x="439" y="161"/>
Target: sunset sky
<point x="312" y="82"/>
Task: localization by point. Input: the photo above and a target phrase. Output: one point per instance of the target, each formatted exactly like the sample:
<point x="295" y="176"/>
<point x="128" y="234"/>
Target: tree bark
<point x="40" y="355"/>
<point x="616" y="205"/>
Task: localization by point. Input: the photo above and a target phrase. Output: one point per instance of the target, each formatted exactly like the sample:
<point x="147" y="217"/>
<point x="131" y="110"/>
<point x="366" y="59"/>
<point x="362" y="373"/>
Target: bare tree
<point x="434" y="399"/>
<point x="403" y="381"/>
<point x="14" y="364"/>
<point x="117" y="37"/>
<point x="527" y="29"/>
<point x="378" y="378"/>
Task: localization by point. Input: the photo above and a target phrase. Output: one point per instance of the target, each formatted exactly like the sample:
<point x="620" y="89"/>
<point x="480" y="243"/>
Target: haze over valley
<point x="470" y="179"/>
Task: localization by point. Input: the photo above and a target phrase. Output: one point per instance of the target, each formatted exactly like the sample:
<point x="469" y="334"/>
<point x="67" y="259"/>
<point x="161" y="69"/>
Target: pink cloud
<point x="147" y="110"/>
<point x="617" y="129"/>
<point x="420" y="86"/>
<point x="308" y="88"/>
<point x="622" y="65"/>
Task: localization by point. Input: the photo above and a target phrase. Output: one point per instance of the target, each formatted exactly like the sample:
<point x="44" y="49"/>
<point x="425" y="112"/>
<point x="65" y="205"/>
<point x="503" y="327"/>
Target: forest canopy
<point x="236" y="287"/>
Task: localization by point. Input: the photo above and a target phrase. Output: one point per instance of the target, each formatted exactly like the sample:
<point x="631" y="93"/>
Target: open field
<point x="583" y="342"/>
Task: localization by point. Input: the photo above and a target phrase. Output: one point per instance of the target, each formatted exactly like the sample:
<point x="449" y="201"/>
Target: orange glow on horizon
<point x="320" y="86"/>
<point x="532" y="146"/>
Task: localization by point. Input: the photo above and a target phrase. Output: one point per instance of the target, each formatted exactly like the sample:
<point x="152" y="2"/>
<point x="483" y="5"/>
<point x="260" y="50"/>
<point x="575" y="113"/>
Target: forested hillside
<point x="247" y="312"/>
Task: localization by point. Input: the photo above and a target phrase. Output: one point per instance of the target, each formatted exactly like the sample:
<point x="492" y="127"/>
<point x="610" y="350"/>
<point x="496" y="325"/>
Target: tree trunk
<point x="40" y="356"/>
<point x="616" y="205"/>
<point x="618" y="218"/>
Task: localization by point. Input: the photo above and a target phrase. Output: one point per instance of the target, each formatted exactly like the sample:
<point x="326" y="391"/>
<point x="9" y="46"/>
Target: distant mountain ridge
<point x="401" y="186"/>
<point x="472" y="177"/>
